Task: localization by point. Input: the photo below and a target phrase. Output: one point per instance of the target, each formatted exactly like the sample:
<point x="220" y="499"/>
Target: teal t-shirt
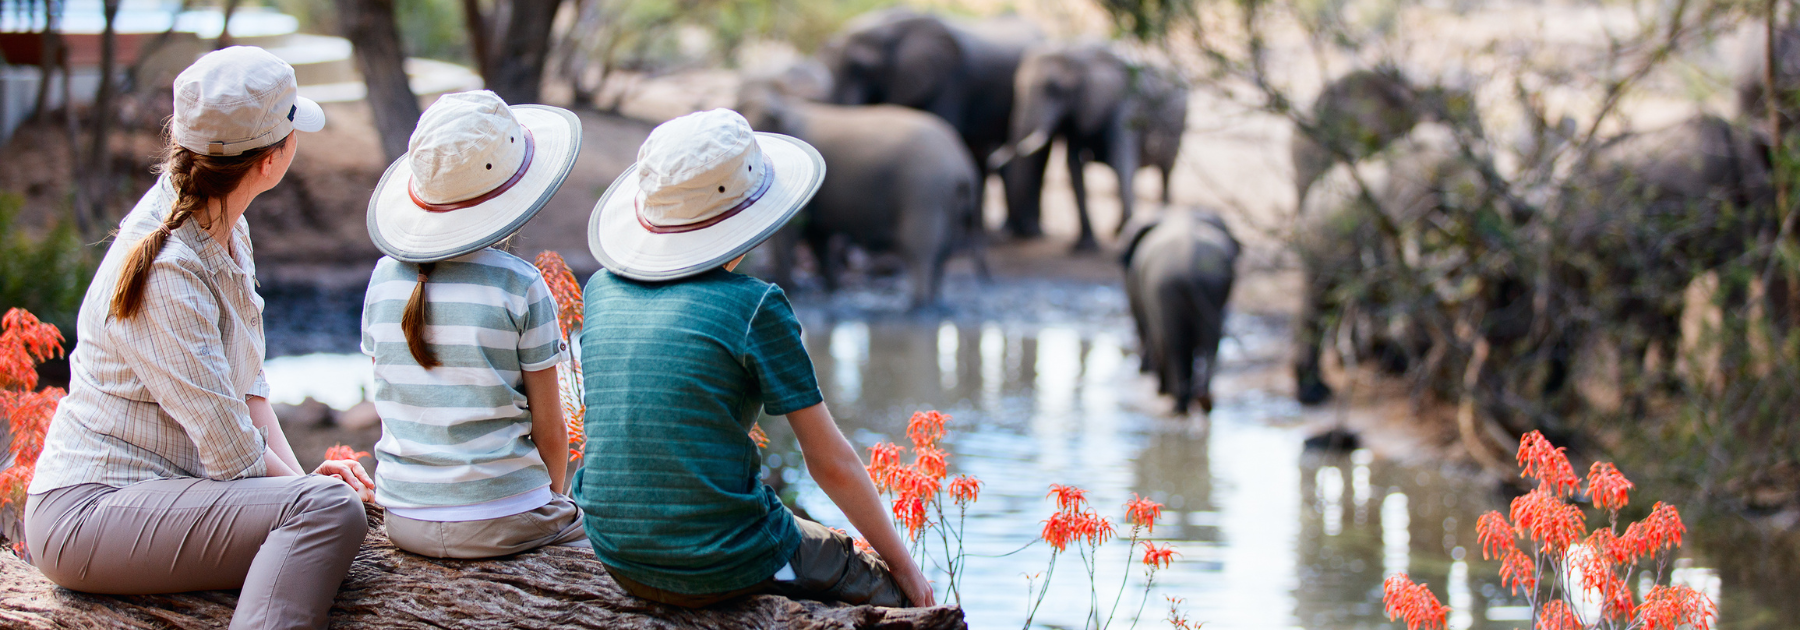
<point x="676" y="373"/>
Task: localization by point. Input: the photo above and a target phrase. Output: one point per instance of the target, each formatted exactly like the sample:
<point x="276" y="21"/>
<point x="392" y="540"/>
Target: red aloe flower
<point x="1141" y="511"/>
<point x="344" y="452"/>
<point x="24" y="342"/>
<point x="1413" y="602"/>
<point x="1662" y="528"/>
<point x="1557" y="616"/>
<point x="1159" y="557"/>
<point x="1518" y="571"/>
<point x="563" y="289"/>
<point x="863" y="545"/>
<point x="909" y="509"/>
<point x="1671" y="607"/>
<point x="1496" y="536"/>
<point x="926" y="428"/>
<point x="1093" y="527"/>
<point x="884" y="459"/>
<point x="1599" y="578"/>
<point x="1059" y="529"/>
<point x="1068" y="498"/>
<point x="1607" y="488"/>
<point x="965" y="489"/>
<point x="1548" y="520"/>
<point x="758" y="435"/>
<point x="1547" y="464"/>
<point x="13" y="482"/>
<point x="930" y="460"/>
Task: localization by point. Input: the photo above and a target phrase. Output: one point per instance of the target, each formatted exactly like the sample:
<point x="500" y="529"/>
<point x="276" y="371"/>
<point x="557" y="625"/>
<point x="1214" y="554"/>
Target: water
<point x="1042" y="385"/>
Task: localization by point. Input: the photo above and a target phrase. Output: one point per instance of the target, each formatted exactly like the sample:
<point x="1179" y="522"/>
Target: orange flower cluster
<point x="1673" y="607"/>
<point x="1557" y="616"/>
<point x="569" y="314"/>
<point x="1142" y="512"/>
<point x="1545" y="516"/>
<point x="1608" y="489"/>
<point x="1159" y="557"/>
<point x="1074" y="521"/>
<point x="965" y="489"/>
<point x="344" y="452"/>
<point x="25" y="342"/>
<point x="1412" y="601"/>
<point x="916" y="487"/>
<point x="757" y="435"/>
<point x="1176" y="620"/>
<point x="1546" y="463"/>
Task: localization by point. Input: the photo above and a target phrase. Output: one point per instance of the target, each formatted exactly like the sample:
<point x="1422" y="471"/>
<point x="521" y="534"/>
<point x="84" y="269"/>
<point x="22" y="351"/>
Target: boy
<point x="679" y="354"/>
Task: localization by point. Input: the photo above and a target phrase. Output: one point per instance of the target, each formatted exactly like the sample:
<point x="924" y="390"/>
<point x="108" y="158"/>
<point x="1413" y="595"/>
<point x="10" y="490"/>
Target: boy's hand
<point x="912" y="582"/>
<point x="350" y="472"/>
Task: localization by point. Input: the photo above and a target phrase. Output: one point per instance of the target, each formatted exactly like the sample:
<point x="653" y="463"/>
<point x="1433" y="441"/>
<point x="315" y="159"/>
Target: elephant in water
<point x="1123" y="114"/>
<point x="1179" y="269"/>
<point x="1361" y="113"/>
<point x="896" y="180"/>
<point x="961" y="72"/>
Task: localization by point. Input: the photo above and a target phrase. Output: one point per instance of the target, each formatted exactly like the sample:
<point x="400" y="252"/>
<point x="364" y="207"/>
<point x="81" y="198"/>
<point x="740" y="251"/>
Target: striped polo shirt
<point x="459" y="435"/>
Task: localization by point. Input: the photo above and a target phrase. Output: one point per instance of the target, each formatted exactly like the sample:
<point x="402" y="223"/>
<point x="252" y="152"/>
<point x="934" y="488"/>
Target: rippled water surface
<point x="1042" y="384"/>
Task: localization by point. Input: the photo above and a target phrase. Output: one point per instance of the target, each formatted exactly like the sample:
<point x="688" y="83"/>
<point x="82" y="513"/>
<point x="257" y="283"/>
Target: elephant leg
<point x="1178" y="342"/>
<point x="819" y="242"/>
<point x="926" y="268"/>
<point x="1086" y="242"/>
<point x="1023" y="178"/>
<point x="1309" y="336"/>
<point x="1134" y="297"/>
<point x="1210" y="324"/>
<point x="1167" y="171"/>
<point x="1124" y="160"/>
<point x="783" y="255"/>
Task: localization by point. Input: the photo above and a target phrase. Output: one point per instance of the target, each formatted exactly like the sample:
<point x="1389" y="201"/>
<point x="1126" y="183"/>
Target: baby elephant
<point x="1178" y="273"/>
<point x="897" y="180"/>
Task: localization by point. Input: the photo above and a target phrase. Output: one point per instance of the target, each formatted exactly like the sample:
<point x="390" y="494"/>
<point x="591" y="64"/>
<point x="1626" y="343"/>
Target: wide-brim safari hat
<point x="475" y="171"/>
<point x="705" y="190"/>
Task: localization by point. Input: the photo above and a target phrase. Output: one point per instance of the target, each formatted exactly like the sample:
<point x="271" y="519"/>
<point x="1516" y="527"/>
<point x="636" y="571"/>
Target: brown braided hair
<point x="198" y="180"/>
<point x="412" y="322"/>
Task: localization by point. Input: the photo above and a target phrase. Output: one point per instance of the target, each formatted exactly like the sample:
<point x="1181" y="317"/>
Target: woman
<point x="164" y="469"/>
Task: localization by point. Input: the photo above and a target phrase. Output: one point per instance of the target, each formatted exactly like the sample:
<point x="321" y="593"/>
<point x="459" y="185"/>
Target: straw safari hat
<point x="475" y="171"/>
<point x="705" y="189"/>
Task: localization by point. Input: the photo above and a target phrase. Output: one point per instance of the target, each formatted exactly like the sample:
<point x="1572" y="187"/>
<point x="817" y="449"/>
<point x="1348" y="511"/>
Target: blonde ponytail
<point x="412" y="322"/>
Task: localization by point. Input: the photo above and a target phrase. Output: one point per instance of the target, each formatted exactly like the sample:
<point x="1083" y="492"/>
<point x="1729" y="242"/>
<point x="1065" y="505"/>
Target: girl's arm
<point x="834" y="464"/>
<point x="262" y="415"/>
<point x="548" y="431"/>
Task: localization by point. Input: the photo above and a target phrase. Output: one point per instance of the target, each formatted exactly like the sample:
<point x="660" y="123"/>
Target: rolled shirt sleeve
<point x="776" y="356"/>
<point x="179" y="361"/>
<point x="541" y="345"/>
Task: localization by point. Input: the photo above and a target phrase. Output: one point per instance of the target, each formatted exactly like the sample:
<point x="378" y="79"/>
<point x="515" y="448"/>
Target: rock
<point x="554" y="587"/>
<point x="308" y="413"/>
<point x="359" y="417"/>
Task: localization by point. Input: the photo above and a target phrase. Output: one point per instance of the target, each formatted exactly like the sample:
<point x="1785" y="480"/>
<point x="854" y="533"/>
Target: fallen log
<point x="555" y="587"/>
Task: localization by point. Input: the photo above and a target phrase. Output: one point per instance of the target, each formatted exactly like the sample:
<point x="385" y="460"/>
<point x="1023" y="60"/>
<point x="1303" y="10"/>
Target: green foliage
<point x="43" y="273"/>
<point x="1147" y="20"/>
<point x="432" y="29"/>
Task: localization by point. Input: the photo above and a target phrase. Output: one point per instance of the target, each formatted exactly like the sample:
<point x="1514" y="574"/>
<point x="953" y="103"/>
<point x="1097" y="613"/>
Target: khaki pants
<point x="826" y="566"/>
<point x="286" y="541"/>
<point x="556" y="523"/>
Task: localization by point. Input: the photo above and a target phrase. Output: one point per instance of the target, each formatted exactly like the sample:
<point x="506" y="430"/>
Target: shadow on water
<point x="1041" y="381"/>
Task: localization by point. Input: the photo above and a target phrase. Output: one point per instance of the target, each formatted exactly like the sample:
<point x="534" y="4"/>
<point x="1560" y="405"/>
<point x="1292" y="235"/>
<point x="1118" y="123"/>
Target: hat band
<point x="525" y="164"/>
<point x="767" y="180"/>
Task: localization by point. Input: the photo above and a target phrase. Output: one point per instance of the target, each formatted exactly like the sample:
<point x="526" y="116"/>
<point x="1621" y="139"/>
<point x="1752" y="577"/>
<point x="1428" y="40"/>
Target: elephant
<point x="1179" y="269"/>
<point x="1348" y="269"/>
<point x="1123" y="114"/>
<point x="963" y="73"/>
<point x="1360" y="113"/>
<point x="897" y="180"/>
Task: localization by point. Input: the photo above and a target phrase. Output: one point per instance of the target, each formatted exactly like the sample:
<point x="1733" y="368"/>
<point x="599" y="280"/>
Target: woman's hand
<point x="350" y="472"/>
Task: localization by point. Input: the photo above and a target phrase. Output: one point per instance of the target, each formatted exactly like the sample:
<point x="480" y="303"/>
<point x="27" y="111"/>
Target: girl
<point x="464" y="337"/>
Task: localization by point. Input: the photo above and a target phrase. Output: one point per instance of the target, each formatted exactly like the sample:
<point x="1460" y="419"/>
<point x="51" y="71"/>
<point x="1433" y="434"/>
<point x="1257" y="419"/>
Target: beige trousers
<point x="556" y="523"/>
<point x="286" y="541"/>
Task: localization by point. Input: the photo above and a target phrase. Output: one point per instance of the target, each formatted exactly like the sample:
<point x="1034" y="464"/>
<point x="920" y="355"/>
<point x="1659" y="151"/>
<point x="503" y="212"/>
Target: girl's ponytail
<point x="412" y="322"/>
<point x="197" y="180"/>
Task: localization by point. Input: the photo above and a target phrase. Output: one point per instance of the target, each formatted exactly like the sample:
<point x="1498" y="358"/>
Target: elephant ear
<point x="927" y="60"/>
<point x="1134" y="232"/>
<point x="1104" y="86"/>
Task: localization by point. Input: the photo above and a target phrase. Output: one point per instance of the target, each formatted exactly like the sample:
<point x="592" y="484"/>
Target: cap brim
<point x="624" y="246"/>
<point x="308" y="116"/>
<point x="403" y="230"/>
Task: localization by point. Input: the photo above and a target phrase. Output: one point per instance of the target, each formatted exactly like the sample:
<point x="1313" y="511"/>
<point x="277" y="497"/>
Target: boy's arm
<point x="834" y="464"/>
<point x="547" y="429"/>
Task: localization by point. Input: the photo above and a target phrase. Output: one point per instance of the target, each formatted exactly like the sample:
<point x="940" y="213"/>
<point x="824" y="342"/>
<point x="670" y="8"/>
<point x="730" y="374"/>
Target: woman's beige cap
<point x="240" y="98"/>
<point x="475" y="171"/>
<point x="705" y="189"/>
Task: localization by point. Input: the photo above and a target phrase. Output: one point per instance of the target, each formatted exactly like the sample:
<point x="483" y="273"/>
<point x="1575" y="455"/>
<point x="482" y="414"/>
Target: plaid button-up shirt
<point x="162" y="394"/>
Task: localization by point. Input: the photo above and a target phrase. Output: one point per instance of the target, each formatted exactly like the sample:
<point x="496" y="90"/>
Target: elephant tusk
<point x="1029" y="145"/>
<point x="1001" y="157"/>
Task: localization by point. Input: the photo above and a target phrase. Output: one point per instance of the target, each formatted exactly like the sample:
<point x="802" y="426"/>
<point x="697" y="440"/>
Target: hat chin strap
<point x="767" y="181"/>
<point x="525" y="164"/>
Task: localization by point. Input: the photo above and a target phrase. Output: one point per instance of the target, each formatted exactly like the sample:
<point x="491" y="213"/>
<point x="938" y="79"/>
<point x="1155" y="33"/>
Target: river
<point x="1040" y="379"/>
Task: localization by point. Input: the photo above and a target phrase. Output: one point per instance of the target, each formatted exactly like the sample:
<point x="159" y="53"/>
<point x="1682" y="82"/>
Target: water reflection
<point x="1270" y="536"/>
